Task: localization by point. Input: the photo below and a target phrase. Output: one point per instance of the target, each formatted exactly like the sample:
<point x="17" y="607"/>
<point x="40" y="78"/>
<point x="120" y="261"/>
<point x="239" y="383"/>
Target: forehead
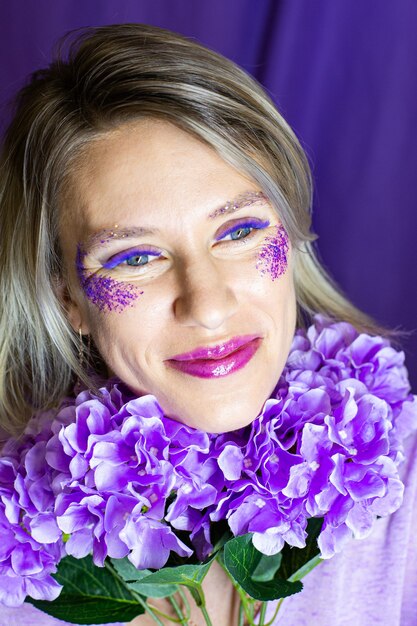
<point x="148" y="168"/>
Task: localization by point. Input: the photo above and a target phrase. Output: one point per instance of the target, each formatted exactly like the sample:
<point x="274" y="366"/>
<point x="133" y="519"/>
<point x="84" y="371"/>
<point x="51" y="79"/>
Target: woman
<point x="155" y="205"/>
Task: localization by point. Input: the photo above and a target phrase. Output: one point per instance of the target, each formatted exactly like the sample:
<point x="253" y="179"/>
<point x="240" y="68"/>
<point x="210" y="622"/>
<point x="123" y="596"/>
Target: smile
<point x="218" y="361"/>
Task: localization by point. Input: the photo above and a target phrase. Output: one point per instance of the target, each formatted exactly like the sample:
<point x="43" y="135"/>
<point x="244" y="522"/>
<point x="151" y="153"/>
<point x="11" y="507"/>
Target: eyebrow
<point x="100" y="237"/>
<point x="248" y="198"/>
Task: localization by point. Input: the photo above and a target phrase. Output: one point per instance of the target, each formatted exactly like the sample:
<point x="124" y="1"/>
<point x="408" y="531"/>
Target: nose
<point x="205" y="298"/>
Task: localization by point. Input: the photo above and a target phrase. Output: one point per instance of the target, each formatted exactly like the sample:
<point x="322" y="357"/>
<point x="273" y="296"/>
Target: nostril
<point x="204" y="306"/>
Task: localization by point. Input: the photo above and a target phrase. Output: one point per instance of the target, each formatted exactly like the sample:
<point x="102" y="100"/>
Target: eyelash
<point x="122" y="257"/>
<point x="254" y="225"/>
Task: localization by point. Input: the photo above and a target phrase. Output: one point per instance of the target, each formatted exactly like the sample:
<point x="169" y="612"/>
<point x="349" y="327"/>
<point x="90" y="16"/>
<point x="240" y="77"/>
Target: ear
<point x="73" y="309"/>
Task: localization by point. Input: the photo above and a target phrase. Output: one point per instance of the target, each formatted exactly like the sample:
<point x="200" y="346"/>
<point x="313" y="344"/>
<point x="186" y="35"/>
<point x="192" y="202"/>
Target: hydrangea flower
<point x="122" y="479"/>
<point x="31" y="542"/>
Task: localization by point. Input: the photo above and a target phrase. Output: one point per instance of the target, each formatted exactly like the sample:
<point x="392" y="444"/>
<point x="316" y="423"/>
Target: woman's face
<point x="170" y="251"/>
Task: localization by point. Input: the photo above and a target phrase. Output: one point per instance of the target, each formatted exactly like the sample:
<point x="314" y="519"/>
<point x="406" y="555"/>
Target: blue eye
<point x="138" y="259"/>
<point x="133" y="258"/>
<point x="240" y="233"/>
<point x="243" y="230"/>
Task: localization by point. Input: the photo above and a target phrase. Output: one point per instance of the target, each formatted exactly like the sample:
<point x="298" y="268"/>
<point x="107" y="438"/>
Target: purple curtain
<point x="343" y="73"/>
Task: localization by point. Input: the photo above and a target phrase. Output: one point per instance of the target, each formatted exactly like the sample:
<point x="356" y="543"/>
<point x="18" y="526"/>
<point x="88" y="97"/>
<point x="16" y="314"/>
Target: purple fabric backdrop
<point x="343" y="74"/>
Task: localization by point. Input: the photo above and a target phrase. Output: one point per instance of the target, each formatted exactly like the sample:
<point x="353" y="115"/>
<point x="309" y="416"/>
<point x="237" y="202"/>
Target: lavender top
<point x="371" y="582"/>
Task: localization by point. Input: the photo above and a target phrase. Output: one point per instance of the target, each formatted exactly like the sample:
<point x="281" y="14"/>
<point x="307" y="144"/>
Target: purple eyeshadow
<point x="249" y="224"/>
<point x="105" y="293"/>
<point x="273" y="259"/>
<point x="127" y="254"/>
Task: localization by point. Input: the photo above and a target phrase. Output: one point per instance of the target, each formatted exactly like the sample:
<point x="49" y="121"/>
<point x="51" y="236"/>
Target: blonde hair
<point x="108" y="76"/>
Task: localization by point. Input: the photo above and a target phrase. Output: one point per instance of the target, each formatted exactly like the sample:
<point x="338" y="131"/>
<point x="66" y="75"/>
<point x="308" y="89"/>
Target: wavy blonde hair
<point x="100" y="78"/>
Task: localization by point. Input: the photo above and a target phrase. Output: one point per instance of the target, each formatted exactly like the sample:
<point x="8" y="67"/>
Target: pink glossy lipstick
<point x="217" y="361"/>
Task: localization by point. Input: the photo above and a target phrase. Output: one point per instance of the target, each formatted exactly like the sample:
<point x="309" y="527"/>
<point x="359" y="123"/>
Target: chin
<point x="223" y="421"/>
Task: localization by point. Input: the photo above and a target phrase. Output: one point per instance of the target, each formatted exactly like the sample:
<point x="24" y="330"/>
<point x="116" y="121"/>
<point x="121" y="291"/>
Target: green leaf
<point x="133" y="577"/>
<point x="267" y="578"/>
<point x="91" y="595"/>
<point x="198" y="595"/>
<point x="191" y="576"/>
<point x="267" y="568"/>
<point x="128" y="571"/>
<point x="153" y="590"/>
<point x="241" y="559"/>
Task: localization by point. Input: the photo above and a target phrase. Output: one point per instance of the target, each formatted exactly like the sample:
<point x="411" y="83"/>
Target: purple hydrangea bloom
<point x="31" y="544"/>
<point x="327" y="444"/>
<point x="122" y="479"/>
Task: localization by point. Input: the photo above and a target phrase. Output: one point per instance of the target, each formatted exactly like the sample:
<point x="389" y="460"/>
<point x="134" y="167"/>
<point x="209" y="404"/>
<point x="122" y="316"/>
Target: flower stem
<point x="245" y="605"/>
<point x="137" y="597"/>
<point x="251" y="605"/>
<point x="150" y="612"/>
<point x="298" y="575"/>
<point x="272" y="620"/>
<point x="241" y="615"/>
<point x="183" y="619"/>
<point x="262" y="614"/>
<point x="149" y="609"/>
<point x="186" y="603"/>
<point x="198" y="594"/>
<point x="165" y="616"/>
<point x="206" y="615"/>
<point x="305" y="569"/>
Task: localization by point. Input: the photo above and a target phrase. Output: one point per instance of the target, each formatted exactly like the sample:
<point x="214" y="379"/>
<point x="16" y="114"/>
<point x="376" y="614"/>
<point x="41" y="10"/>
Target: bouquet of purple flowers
<point x="108" y="489"/>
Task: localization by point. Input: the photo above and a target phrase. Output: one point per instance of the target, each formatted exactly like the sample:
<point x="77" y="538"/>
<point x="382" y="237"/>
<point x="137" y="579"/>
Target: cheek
<point x="272" y="260"/>
<point x="109" y="295"/>
<point x="105" y="293"/>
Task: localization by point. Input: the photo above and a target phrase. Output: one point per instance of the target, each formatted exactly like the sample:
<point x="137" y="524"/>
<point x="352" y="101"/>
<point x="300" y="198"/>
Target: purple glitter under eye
<point x="256" y="224"/>
<point x="105" y="293"/>
<point x="273" y="258"/>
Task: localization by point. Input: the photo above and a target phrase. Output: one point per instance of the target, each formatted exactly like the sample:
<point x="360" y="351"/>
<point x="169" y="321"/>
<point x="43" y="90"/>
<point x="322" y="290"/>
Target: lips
<point x="217" y="361"/>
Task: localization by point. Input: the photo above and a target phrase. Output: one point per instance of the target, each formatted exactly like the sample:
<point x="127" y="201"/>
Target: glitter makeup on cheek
<point x="105" y="293"/>
<point x="273" y="259"/>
